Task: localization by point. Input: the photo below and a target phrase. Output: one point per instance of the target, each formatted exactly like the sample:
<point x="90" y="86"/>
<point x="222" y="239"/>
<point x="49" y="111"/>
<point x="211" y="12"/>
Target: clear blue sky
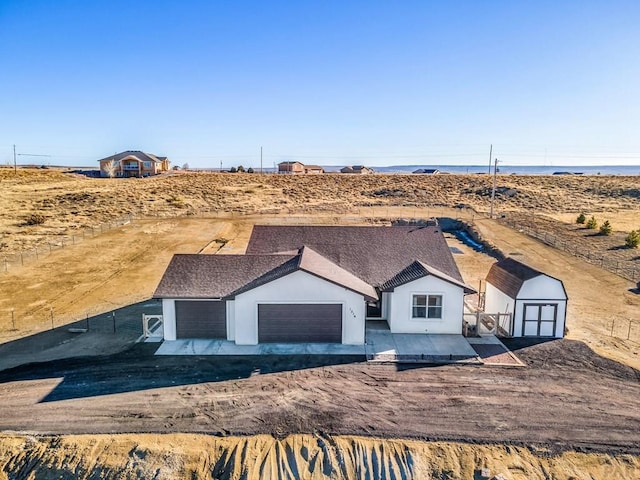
<point x="328" y="82"/>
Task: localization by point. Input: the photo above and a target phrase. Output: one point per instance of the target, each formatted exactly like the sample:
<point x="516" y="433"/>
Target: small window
<point x="147" y="164"/>
<point x="427" y="306"/>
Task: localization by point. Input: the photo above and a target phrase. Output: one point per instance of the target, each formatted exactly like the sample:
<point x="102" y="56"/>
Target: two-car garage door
<point x="277" y="323"/>
<point x="299" y="323"/>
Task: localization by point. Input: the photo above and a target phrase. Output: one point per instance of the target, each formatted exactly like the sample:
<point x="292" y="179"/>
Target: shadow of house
<point x="137" y="369"/>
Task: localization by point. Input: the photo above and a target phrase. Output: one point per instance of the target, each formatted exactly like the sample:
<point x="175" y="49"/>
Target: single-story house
<point x="291" y="167"/>
<point x="536" y="301"/>
<point x="313" y="169"/>
<point x="359" y="169"/>
<point x="133" y="163"/>
<point x="427" y="171"/>
<point x="316" y="284"/>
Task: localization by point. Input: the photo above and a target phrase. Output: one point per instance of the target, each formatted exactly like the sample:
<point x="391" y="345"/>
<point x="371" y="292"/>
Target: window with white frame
<point x="427" y="306"/>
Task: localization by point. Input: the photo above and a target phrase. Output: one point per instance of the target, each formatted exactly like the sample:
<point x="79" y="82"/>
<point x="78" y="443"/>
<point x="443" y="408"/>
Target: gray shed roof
<point x="509" y="274"/>
<point x="373" y="254"/>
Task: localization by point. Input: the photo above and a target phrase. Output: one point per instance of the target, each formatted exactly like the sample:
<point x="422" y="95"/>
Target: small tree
<point x="633" y="239"/>
<point x="111" y="168"/>
<point x="232" y="170"/>
<point x="605" y="228"/>
<point x="240" y="169"/>
<point x="581" y="219"/>
<point x="592" y="223"/>
<point x="249" y="170"/>
<point x="185" y="166"/>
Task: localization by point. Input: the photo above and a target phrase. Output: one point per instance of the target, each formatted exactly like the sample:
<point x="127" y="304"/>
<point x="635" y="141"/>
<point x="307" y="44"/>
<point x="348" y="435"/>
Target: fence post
<point x="113" y="316"/>
<point x="51" y="310"/>
<point x="13" y="319"/>
<point x="613" y="322"/>
<point x="629" y="330"/>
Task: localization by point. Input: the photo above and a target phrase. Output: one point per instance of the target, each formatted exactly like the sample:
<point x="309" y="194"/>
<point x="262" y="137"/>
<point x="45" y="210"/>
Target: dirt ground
<point x="134" y="391"/>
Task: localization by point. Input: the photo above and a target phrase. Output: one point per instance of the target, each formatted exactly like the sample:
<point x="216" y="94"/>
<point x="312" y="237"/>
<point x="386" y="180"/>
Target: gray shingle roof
<point x="316" y="264"/>
<point x="224" y="276"/>
<point x="373" y="254"/>
<point x="142" y="156"/>
<point x="218" y="276"/>
<point x="418" y="270"/>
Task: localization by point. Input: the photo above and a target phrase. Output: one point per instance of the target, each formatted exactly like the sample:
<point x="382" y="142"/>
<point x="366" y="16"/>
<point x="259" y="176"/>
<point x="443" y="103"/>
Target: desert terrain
<point x="513" y="413"/>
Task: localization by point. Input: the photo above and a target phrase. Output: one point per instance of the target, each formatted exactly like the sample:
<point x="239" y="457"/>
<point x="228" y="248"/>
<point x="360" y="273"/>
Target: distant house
<point x="536" y="301"/>
<point x="313" y="169"/>
<point x="359" y="169"/>
<point x="306" y="284"/>
<point x="291" y="167"/>
<point x="133" y="163"/>
<point x="427" y="171"/>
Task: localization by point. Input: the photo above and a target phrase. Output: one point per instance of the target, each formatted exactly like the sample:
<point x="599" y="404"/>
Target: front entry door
<point x="539" y="319"/>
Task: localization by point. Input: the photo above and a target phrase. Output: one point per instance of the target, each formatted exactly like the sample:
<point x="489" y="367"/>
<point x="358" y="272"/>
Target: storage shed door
<point x="201" y="319"/>
<point x="539" y="319"/>
<point x="300" y="323"/>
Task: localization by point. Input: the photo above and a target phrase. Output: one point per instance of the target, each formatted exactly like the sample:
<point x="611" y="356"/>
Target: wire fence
<point x="628" y="269"/>
<point x="296" y="215"/>
<point x="18" y="321"/>
<point x="55" y="243"/>
<point x="625" y="328"/>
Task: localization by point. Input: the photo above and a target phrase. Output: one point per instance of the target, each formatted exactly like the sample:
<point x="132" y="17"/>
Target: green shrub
<point x="605" y="228"/>
<point x="581" y="219"/>
<point x="633" y="239"/>
<point x="592" y="223"/>
<point x="249" y="170"/>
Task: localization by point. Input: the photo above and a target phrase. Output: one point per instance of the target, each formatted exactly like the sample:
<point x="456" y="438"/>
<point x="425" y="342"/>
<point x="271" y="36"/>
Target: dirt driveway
<point x="568" y="396"/>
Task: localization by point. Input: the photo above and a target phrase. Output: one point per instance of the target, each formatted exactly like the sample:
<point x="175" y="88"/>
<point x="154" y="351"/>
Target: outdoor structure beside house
<point x="133" y="163"/>
<point x="302" y="284"/>
<point x="359" y="169"/>
<point x="536" y="301"/>
<point x="427" y="171"/>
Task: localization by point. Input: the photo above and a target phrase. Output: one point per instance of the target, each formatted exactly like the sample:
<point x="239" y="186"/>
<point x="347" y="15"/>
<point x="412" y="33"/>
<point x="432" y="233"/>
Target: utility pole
<point x="15" y="165"/>
<point x="220" y="165"/>
<point x="493" y="190"/>
<point x="490" y="153"/>
<point x="260" y="160"/>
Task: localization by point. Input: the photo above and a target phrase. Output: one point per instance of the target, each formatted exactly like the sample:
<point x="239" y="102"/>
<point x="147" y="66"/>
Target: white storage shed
<point x="537" y="302"/>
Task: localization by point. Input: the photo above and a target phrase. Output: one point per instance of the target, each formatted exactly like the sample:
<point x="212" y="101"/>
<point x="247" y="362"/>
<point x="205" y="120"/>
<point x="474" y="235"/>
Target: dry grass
<point x="70" y="202"/>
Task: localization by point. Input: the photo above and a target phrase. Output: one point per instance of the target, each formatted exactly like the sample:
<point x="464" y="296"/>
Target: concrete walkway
<point x="381" y="346"/>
